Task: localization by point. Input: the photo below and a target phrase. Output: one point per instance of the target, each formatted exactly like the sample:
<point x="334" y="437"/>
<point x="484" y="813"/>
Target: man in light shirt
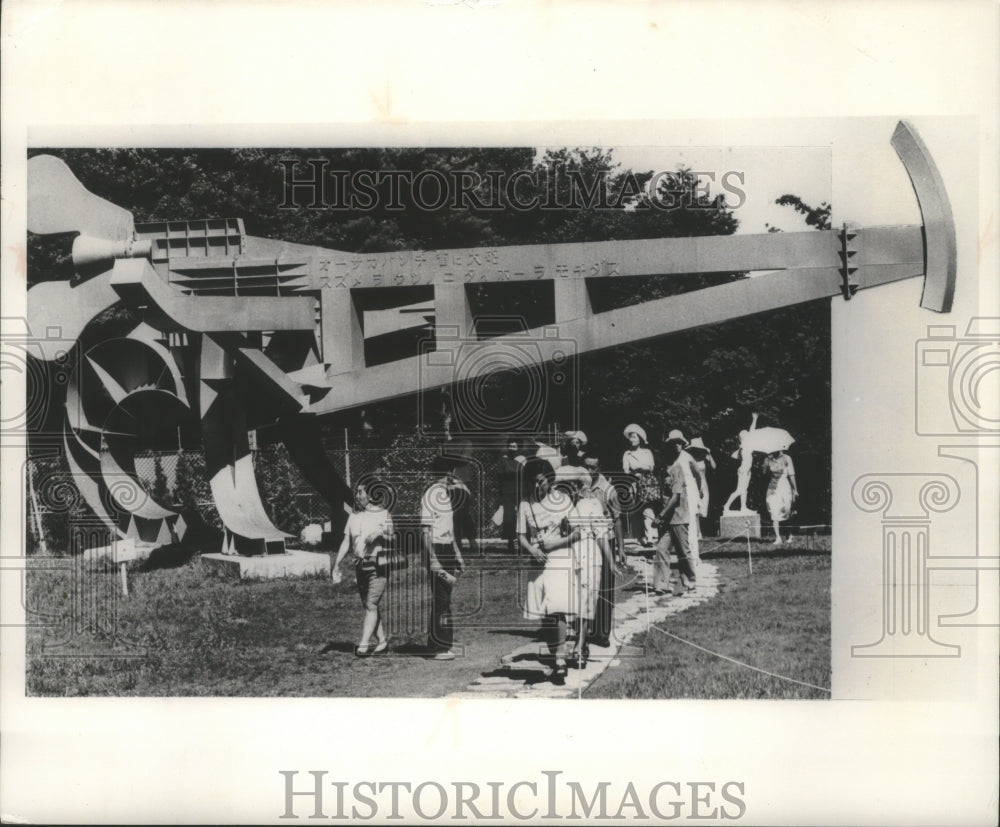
<point x="444" y="558"/>
<point x="675" y="519"/>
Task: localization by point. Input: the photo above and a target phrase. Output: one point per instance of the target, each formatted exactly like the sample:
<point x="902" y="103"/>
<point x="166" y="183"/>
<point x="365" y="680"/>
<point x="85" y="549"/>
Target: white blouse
<point x="361" y="524"/>
<point x="638" y="459"/>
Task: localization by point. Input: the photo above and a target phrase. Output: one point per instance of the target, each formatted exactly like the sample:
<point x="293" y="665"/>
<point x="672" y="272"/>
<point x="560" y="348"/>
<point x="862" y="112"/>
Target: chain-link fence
<point x="177" y="479"/>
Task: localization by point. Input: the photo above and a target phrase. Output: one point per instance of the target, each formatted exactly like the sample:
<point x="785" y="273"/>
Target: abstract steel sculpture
<point x="244" y="331"/>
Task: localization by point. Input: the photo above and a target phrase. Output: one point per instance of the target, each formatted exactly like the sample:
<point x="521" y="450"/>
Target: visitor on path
<point x="557" y="589"/>
<point x="674" y="521"/>
<point x="693" y="485"/>
<point x="463" y="504"/>
<point x="782" y="490"/>
<point x="462" y="519"/>
<point x="444" y="558"/>
<point x="588" y="552"/>
<point x="603" y="491"/>
<point x="638" y="460"/>
<point x="368" y="533"/>
<point x="703" y="461"/>
<point x="509" y="482"/>
<point x="540" y="519"/>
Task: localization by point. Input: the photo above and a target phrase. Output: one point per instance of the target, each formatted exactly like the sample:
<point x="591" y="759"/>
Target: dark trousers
<point x="603" y="622"/>
<point x="508" y="528"/>
<point x="442" y="633"/>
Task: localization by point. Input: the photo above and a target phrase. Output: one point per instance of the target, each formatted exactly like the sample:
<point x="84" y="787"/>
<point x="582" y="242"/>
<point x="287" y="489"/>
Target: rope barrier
<point x="726" y="657"/>
<point x="741" y="663"/>
<point x="694" y="645"/>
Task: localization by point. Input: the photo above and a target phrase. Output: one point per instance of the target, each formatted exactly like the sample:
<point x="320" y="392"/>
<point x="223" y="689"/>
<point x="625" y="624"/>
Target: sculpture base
<point x="120" y="551"/>
<point x="737" y="523"/>
<point x="269" y="566"/>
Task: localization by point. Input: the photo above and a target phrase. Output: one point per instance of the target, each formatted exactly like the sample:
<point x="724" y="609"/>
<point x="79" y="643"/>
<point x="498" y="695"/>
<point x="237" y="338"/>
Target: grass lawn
<point x="184" y="631"/>
<point x="776" y="619"/>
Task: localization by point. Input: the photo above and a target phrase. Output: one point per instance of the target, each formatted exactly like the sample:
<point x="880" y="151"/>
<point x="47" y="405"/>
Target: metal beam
<point x="336" y="270"/>
<point x="890" y="254"/>
<point x="166" y="309"/>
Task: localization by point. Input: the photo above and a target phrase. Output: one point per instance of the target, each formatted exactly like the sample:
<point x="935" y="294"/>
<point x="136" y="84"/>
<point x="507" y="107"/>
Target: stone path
<point x="520" y="674"/>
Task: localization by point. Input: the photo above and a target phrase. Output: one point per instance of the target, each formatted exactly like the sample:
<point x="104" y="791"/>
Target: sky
<point x="762" y="173"/>
<point x="847" y="162"/>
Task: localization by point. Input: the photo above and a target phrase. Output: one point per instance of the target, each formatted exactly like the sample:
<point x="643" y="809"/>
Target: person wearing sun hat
<point x="587" y="520"/>
<point x="674" y="520"/>
<point x="639" y="462"/>
<point x="703" y="460"/>
<point x="565" y="591"/>
<point x="693" y="484"/>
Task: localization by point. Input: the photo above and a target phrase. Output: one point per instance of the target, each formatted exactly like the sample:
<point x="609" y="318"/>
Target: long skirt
<point x="570" y="582"/>
<point x="779" y="498"/>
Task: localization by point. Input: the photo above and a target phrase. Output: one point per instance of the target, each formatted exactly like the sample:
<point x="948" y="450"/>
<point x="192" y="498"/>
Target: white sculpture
<point x="762" y="440"/>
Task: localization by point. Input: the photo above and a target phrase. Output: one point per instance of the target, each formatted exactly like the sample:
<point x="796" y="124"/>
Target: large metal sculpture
<point x="246" y="331"/>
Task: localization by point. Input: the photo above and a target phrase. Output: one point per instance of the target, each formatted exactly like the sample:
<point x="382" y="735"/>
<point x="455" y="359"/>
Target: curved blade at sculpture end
<point x="59" y="203"/>
<point x="940" y="251"/>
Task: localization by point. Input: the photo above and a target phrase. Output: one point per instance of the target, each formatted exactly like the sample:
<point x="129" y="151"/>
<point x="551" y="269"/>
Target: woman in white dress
<point x="638" y="460"/>
<point x="545" y="534"/>
<point x="782" y="490"/>
<point x="703" y="461"/>
<point x="539" y="522"/>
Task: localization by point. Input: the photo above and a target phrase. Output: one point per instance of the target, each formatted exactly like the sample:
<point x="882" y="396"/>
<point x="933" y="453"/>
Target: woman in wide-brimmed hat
<point x="781" y="489"/>
<point x="589" y="527"/>
<point x="703" y="460"/>
<point x="545" y="533"/>
<point x="638" y="460"/>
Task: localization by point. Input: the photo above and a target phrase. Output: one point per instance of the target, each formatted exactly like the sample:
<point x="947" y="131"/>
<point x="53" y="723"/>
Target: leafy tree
<point x="706" y="381"/>
<point x="818" y="217"/>
<point x="160" y="491"/>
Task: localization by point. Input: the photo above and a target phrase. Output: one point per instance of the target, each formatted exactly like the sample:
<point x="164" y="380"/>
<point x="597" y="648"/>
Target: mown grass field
<point x="183" y="631"/>
<point x="776" y="619"/>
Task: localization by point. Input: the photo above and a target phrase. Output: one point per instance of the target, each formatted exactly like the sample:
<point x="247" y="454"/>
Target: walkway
<point x="520" y="673"/>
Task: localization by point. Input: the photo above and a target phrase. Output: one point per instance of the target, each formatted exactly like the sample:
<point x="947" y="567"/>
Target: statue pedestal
<point x="737" y="523"/>
<point x="293" y="563"/>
